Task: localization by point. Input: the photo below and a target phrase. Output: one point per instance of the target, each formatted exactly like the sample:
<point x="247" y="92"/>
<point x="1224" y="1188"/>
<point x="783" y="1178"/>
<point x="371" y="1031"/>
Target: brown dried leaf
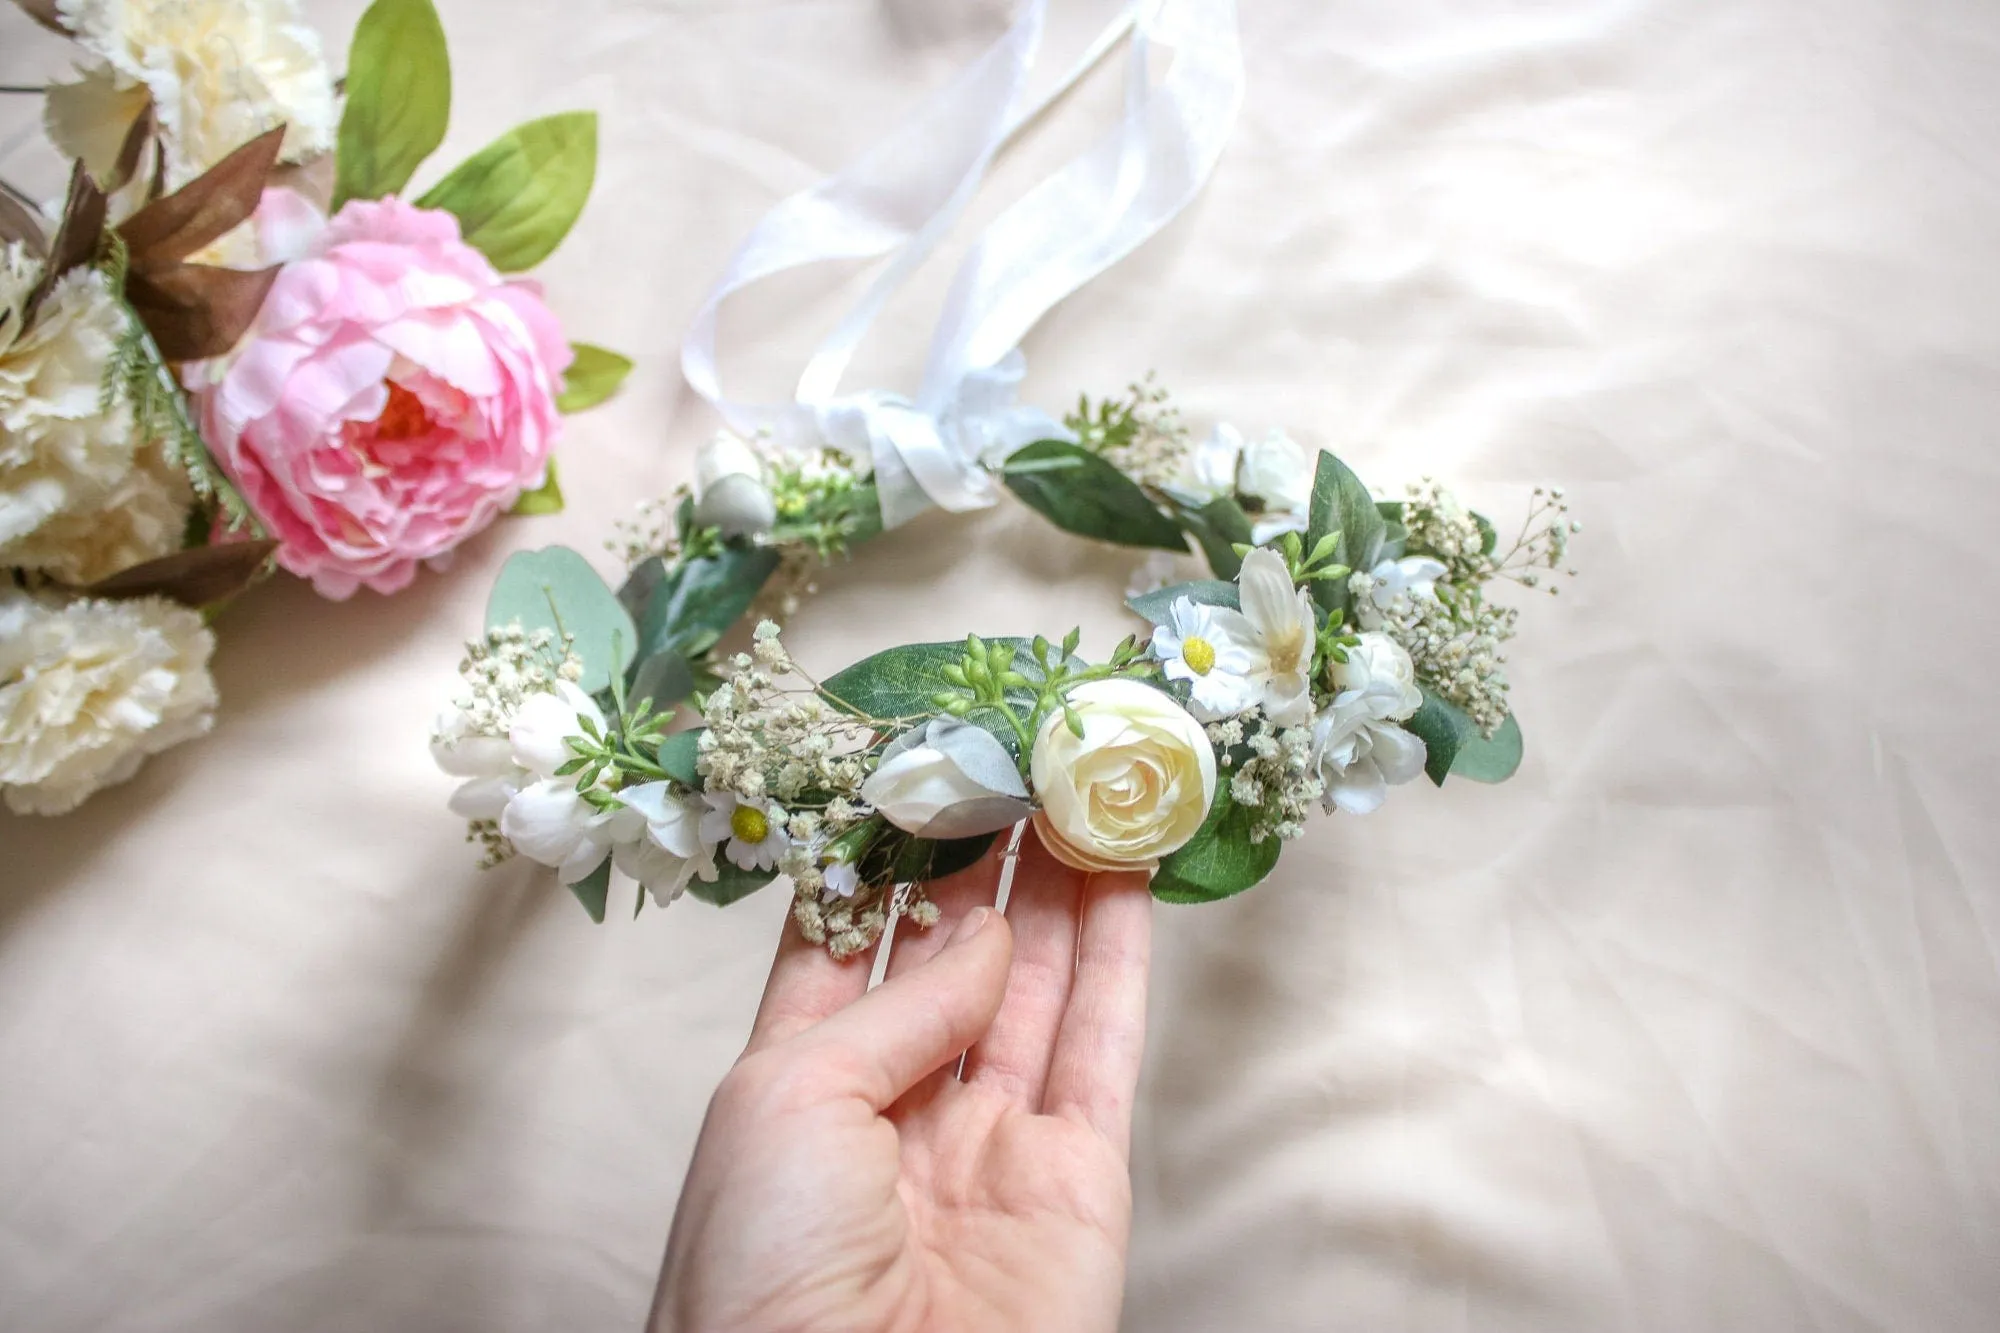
<point x="205" y="209"/>
<point x="134" y="147"/>
<point x="194" y="577"/>
<point x="44" y="13"/>
<point x="18" y="223"/>
<point x="76" y="239"/>
<point x="195" y="311"/>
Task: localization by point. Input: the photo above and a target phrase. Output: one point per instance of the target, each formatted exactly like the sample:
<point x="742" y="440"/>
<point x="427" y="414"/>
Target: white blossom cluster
<point x="1280" y="780"/>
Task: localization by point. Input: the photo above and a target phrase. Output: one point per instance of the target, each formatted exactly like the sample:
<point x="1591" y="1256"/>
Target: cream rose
<point x="1134" y="787"/>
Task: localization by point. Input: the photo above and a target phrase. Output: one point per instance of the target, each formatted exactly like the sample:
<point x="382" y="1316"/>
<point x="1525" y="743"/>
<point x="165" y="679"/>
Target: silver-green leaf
<point x="557" y="589"/>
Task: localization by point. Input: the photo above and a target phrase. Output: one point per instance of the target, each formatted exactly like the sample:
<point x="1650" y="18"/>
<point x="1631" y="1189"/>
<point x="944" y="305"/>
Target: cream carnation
<point x="1135" y="786"/>
<point x="221" y="72"/>
<point x="144" y="518"/>
<point x="89" y="689"/>
<point x="60" y="452"/>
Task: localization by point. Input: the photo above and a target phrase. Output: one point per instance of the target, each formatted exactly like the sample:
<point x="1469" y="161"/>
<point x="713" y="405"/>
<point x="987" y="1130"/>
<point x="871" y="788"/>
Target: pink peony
<point x="395" y="396"/>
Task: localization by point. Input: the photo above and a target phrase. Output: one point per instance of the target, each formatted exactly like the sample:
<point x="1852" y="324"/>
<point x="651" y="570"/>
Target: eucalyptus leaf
<point x="556" y="588"/>
<point x="516" y="198"/>
<point x="1218" y="527"/>
<point x="546" y="498"/>
<point x="1490" y="758"/>
<point x="637" y="589"/>
<point x="593" y="889"/>
<point x="678" y="753"/>
<point x="592" y="377"/>
<point x="1158" y="606"/>
<point x="1080" y="492"/>
<point x="398" y="100"/>
<point x="1220" y="861"/>
<point x="1340" y="503"/>
<point x="731" y="885"/>
<point x="703" y="596"/>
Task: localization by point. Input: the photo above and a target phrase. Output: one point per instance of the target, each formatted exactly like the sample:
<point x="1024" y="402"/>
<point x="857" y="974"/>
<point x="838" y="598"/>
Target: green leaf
<point x="592" y="377"/>
<point x="1219" y="527"/>
<point x="546" y="498"/>
<point x="1340" y="503"/>
<point x="1489" y="536"/>
<point x="1442" y="728"/>
<point x="1490" y="758"/>
<point x="899" y="683"/>
<point x="1157" y="606"/>
<point x="516" y="198"/>
<point x="593" y="889"/>
<point x="731" y="885"/>
<point x="924" y="859"/>
<point x="398" y="100"/>
<point x="665" y="678"/>
<point x="706" y="595"/>
<point x="637" y="589"/>
<point x="677" y="756"/>
<point x="557" y="589"/>
<point x="1220" y="861"/>
<point x="1081" y="493"/>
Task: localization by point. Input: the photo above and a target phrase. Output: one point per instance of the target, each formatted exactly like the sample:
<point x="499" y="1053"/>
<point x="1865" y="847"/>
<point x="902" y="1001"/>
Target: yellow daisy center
<point x="749" y="824"/>
<point x="1199" y="654"/>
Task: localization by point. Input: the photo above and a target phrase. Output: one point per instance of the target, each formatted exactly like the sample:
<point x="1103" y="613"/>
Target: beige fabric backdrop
<point x="1694" y="1025"/>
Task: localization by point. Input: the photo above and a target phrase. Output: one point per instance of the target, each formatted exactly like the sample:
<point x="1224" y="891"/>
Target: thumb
<point x="883" y="1044"/>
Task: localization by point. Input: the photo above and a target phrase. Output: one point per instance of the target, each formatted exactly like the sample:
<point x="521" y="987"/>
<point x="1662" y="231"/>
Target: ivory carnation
<point x="89" y="689"/>
<point x="61" y="453"/>
<point x="144" y="518"/>
<point x="395" y="396"/>
<point x="1135" y="786"/>
<point x="220" y="73"/>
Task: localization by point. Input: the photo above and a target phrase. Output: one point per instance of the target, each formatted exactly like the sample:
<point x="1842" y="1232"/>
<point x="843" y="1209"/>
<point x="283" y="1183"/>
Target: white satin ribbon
<point x="905" y="194"/>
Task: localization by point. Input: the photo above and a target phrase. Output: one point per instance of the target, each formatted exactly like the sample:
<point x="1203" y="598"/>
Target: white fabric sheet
<point x="1694" y="1025"/>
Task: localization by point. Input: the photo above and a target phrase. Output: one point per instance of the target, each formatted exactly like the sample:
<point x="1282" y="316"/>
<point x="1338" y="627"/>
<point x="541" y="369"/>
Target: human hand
<point x="849" y="1176"/>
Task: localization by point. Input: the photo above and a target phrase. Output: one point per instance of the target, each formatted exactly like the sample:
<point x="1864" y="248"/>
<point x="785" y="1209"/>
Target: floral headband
<point x="1342" y="646"/>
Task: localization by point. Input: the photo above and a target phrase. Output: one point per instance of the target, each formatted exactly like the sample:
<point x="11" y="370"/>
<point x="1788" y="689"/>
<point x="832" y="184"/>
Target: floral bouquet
<point x="1342" y="645"/>
<point x="237" y="344"/>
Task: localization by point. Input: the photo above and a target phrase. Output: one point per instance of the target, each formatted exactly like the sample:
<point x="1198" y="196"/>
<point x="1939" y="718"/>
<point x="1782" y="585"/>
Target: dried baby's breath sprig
<point x="1141" y="434"/>
<point x="1275" y="776"/>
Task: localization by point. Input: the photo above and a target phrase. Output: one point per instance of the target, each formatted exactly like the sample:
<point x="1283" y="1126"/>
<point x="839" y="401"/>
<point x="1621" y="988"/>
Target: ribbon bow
<point x="902" y="197"/>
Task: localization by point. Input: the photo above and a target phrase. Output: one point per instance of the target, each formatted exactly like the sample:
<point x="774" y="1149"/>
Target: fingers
<point x="882" y="1044"/>
<point x="806" y="985"/>
<point x="954" y="896"/>
<point x="1042" y="907"/>
<point x="1094" y="1073"/>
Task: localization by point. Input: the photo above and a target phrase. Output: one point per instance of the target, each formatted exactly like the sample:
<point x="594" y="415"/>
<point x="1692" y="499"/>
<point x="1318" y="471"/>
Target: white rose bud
<point x="730" y="492"/>
<point x="949" y="779"/>
<point x="1379" y="668"/>
<point x="1278" y="471"/>
<point x="1135" y="786"/>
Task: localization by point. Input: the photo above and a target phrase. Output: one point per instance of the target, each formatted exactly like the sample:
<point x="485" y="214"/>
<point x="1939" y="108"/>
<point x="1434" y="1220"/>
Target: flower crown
<point x="1343" y="645"/>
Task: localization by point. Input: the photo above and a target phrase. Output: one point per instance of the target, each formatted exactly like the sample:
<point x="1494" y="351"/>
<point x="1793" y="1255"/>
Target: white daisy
<point x="1284" y="632"/>
<point x="750" y="832"/>
<point x="1213" y="648"/>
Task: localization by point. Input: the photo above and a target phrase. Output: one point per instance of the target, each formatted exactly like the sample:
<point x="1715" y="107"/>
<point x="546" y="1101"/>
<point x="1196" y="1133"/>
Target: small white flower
<point x="751" y="832"/>
<point x="1208" y="469"/>
<point x="1414" y="576"/>
<point x="732" y="492"/>
<point x="842" y="880"/>
<point x="1281" y="619"/>
<point x="1358" y="749"/>
<point x="948" y="779"/>
<point x="1216" y="650"/>
<point x="1278" y="471"/>
<point x="89" y="689"/>
<point x="484" y="760"/>
<point x="544" y="723"/>
<point x="550" y="822"/>
<point x="666" y="851"/>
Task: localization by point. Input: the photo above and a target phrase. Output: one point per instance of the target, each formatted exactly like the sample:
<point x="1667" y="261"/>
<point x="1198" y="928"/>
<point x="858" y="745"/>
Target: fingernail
<point x="969" y="927"/>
